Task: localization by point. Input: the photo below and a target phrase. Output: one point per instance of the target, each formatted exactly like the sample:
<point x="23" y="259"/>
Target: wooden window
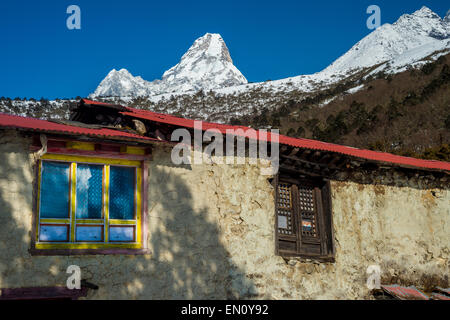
<point x="304" y="218"/>
<point x="88" y="203"/>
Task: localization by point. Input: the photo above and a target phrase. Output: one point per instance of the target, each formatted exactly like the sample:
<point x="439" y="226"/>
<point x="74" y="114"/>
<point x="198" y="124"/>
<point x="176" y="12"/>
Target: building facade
<point x="102" y="192"/>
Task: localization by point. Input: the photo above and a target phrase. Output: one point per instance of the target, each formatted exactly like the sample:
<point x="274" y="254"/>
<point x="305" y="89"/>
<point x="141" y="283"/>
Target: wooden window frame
<point x="138" y="246"/>
<point x="320" y="248"/>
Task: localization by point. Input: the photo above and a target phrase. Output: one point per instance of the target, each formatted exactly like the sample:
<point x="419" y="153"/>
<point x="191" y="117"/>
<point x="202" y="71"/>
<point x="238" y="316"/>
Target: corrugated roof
<point x="32" y="124"/>
<point x="439" y="296"/>
<point x="405" y="293"/>
<point x="296" y="142"/>
<point x="443" y="290"/>
<point x="47" y="126"/>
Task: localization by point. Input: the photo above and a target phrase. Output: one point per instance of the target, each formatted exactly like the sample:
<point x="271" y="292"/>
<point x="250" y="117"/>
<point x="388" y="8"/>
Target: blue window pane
<point x="121" y="192"/>
<point x="89" y="233"/>
<point x="54" y="195"/>
<point x="55" y="233"/>
<point x="89" y="191"/>
<point x="121" y="234"/>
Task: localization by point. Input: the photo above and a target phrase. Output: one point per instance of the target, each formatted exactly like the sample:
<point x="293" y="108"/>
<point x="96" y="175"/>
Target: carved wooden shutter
<point x="304" y="224"/>
<point x="309" y="219"/>
<point x="286" y="220"/>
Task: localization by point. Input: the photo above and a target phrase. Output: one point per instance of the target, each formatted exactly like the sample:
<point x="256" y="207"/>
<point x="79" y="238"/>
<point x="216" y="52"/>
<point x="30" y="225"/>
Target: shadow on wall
<point x="188" y="260"/>
<point x="16" y="180"/>
<point x="191" y="261"/>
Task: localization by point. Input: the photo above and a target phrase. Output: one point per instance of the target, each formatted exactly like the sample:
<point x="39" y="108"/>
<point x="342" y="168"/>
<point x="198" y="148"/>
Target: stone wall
<point x="211" y="233"/>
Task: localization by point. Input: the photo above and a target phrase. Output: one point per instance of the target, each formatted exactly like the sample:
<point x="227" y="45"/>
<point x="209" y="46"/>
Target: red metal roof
<point x="47" y="126"/>
<point x="98" y="103"/>
<point x="439" y="296"/>
<point x="32" y="124"/>
<point x="443" y="290"/>
<point x="296" y="142"/>
<point x="405" y="293"/>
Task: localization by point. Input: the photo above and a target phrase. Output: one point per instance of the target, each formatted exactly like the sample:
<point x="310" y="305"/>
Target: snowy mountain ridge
<point x="423" y="27"/>
<point x="207" y="65"/>
<point x="206" y="85"/>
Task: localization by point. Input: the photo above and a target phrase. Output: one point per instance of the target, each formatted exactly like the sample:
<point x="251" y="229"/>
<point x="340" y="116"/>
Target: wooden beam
<point x="294" y="151"/>
<point x="335" y="159"/>
<point x="324" y="158"/>
<point x="307" y="154"/>
<point x="283" y="149"/>
<point x="316" y="155"/>
<point x="310" y="163"/>
<point x="297" y="170"/>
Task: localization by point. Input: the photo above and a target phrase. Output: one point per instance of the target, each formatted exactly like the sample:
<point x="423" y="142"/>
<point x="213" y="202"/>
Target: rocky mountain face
<point x="206" y="65"/>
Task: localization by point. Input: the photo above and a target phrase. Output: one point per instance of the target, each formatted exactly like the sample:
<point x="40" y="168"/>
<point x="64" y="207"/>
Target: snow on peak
<point x="119" y="83"/>
<point x="447" y="18"/>
<point x="425" y="12"/>
<point x="206" y="65"/>
<point x="212" y="45"/>
<point x="423" y="27"/>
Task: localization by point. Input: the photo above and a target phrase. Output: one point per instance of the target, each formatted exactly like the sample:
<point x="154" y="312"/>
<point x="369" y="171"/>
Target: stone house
<point x="102" y="192"/>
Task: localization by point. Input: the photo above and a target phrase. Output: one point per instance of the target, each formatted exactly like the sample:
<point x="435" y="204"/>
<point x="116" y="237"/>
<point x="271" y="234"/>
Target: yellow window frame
<point x="72" y="221"/>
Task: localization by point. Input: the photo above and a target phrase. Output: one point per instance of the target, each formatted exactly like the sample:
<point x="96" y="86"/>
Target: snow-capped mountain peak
<point x="206" y="65"/>
<point x="116" y="83"/>
<point x="211" y="45"/>
<point x="423" y="27"/>
<point x="423" y="22"/>
<point x="447" y="17"/>
<point x="424" y="12"/>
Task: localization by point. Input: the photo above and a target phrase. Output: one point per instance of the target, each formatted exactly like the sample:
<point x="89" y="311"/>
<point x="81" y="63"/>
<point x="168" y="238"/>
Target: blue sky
<point x="40" y="57"/>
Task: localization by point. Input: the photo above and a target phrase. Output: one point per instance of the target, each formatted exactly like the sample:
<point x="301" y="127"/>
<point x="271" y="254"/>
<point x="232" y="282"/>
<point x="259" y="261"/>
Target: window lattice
<point x="285" y="209"/>
<point x="121" y="193"/>
<point x="308" y="211"/>
<point x="89" y="191"/>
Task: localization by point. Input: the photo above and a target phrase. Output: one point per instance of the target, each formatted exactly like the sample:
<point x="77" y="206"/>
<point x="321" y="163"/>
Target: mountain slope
<point x="422" y="28"/>
<point x="407" y="113"/>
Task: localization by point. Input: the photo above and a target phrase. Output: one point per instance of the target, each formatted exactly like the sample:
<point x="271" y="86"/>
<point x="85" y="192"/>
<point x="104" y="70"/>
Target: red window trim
<point x="42" y="293"/>
<point x="89" y="225"/>
<point x="106" y="150"/>
<point x="124" y="226"/>
<point x="58" y="224"/>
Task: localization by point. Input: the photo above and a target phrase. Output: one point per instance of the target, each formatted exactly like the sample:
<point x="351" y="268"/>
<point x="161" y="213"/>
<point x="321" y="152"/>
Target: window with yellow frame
<point x="88" y="203"/>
